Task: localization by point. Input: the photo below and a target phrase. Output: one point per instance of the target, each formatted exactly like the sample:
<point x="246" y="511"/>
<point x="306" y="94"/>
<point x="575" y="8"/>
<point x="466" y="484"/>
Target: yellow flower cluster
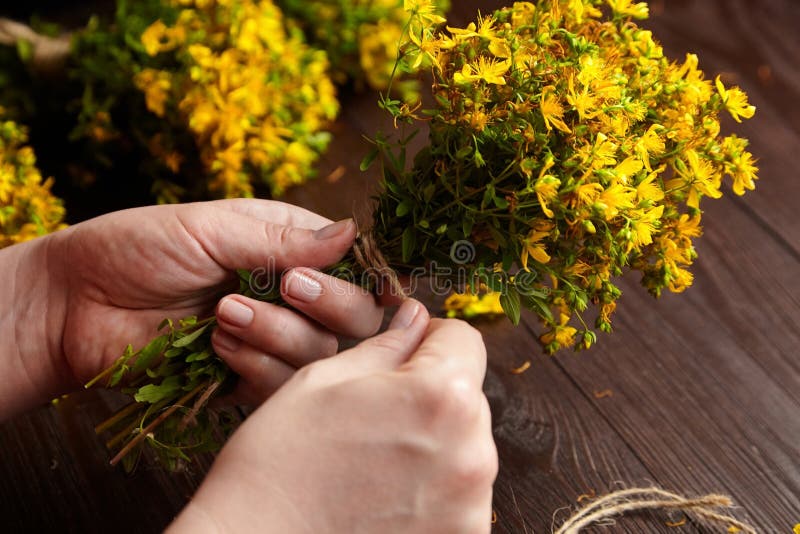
<point x="255" y="97"/>
<point x="27" y="207"/>
<point x="570" y="145"/>
<point x="361" y="36"/>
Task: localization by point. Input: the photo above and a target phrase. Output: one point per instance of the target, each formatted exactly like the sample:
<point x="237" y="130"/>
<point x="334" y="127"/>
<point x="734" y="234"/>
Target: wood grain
<point x="697" y="392"/>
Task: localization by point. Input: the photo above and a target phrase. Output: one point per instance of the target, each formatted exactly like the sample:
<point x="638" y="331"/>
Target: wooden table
<point x="695" y="393"/>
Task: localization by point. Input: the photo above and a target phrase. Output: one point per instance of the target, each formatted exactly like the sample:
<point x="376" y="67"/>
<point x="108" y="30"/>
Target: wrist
<point x="228" y="502"/>
<point x="194" y="519"/>
<point x="31" y="326"/>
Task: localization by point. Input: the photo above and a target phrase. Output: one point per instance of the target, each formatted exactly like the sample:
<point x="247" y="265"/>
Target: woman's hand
<point x="79" y="296"/>
<point x="391" y="436"/>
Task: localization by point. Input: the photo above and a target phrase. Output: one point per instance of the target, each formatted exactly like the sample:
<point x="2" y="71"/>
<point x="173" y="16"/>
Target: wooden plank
<point x="707" y="384"/>
<point x="554" y="445"/>
<point x="752" y="44"/>
<point x="55" y="476"/>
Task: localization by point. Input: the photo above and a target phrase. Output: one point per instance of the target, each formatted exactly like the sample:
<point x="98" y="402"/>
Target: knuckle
<point x="387" y="342"/>
<point x="309" y="375"/>
<point x="329" y="345"/>
<point x="278" y="234"/>
<point x="451" y="400"/>
<point x="475" y="467"/>
<point x="275" y="324"/>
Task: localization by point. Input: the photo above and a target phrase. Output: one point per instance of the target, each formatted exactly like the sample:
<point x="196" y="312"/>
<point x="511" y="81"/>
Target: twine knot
<point x="370" y="258"/>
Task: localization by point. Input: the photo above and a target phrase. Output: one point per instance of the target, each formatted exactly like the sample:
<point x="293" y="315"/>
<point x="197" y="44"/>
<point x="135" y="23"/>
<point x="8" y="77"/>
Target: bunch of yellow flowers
<point x="362" y="37"/>
<point x="27" y="207"/>
<point x="255" y="97"/>
<point x="565" y="143"/>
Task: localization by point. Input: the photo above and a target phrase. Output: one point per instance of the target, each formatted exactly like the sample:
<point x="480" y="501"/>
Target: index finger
<point x="450" y="346"/>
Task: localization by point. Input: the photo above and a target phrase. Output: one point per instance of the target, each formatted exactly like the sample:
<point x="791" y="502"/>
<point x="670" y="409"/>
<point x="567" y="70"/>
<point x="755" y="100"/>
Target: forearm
<point x="31" y="322"/>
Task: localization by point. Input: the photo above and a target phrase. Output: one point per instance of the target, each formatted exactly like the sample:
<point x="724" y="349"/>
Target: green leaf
<point x="368" y="159"/>
<point x="466" y="226"/>
<point x="478" y="159"/>
<point x="187" y="339"/>
<point x="117" y="376"/>
<point x="409" y="242"/>
<point x="539" y="306"/>
<point x="175" y="351"/>
<point x="488" y="196"/>
<point x="403" y="208"/>
<point x="188" y="321"/>
<point x="152" y="393"/>
<point x="150" y="353"/>
<point x="464" y="152"/>
<point x="198" y="356"/>
<point x="428" y="191"/>
<point x="500" y="202"/>
<point x="509" y="301"/>
<point x="25" y="50"/>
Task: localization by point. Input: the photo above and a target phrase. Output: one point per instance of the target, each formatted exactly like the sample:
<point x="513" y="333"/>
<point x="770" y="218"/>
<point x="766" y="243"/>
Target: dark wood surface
<point x="695" y="393"/>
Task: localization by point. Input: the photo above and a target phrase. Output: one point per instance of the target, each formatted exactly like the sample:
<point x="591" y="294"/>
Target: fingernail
<point x="235" y="313"/>
<point x="333" y="230"/>
<point x="405" y="315"/>
<point x="226" y="341"/>
<point x="302" y="287"/>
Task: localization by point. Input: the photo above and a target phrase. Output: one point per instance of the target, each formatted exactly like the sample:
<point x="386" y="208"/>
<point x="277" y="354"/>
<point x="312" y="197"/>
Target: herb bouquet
<point x="563" y="148"/>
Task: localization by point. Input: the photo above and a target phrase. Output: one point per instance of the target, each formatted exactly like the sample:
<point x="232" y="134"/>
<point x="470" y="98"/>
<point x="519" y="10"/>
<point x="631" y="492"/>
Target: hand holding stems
<point x="76" y="298"/>
<point x="391" y="436"/>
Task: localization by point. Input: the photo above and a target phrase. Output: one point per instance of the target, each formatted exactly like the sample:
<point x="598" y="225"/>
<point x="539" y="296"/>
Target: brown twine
<point x="49" y="53"/>
<point x="371" y="259"/>
<point x="202" y="400"/>
<point x="703" y="509"/>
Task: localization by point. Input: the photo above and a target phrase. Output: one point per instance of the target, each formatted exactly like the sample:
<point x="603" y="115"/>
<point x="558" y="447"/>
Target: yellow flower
<point x="152" y="36"/>
<point x="584" y="102"/>
<point x="744" y="173"/>
<point x="155" y="85"/>
<point x="643" y="224"/>
<point x="735" y="101"/>
<point x="697" y="177"/>
<point x="532" y="246"/>
<point x="650" y="145"/>
<point x="648" y="190"/>
<point x="615" y="198"/>
<point x="426" y="10"/>
<point x="552" y="110"/>
<point x="629" y="9"/>
<point x="485" y="69"/>
<point x="468" y="306"/>
<point x="562" y="334"/>
<point x="628" y="168"/>
<point x="546" y="186"/>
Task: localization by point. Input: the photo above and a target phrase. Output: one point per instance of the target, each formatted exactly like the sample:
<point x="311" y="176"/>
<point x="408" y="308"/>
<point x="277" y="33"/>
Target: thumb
<point x="384" y="352"/>
<point x="237" y="241"/>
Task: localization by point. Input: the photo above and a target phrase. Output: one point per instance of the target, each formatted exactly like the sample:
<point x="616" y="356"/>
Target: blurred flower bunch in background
<point x="254" y="96"/>
<point x="224" y="82"/>
<point x="362" y="38"/>
<point x="27" y="207"/>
